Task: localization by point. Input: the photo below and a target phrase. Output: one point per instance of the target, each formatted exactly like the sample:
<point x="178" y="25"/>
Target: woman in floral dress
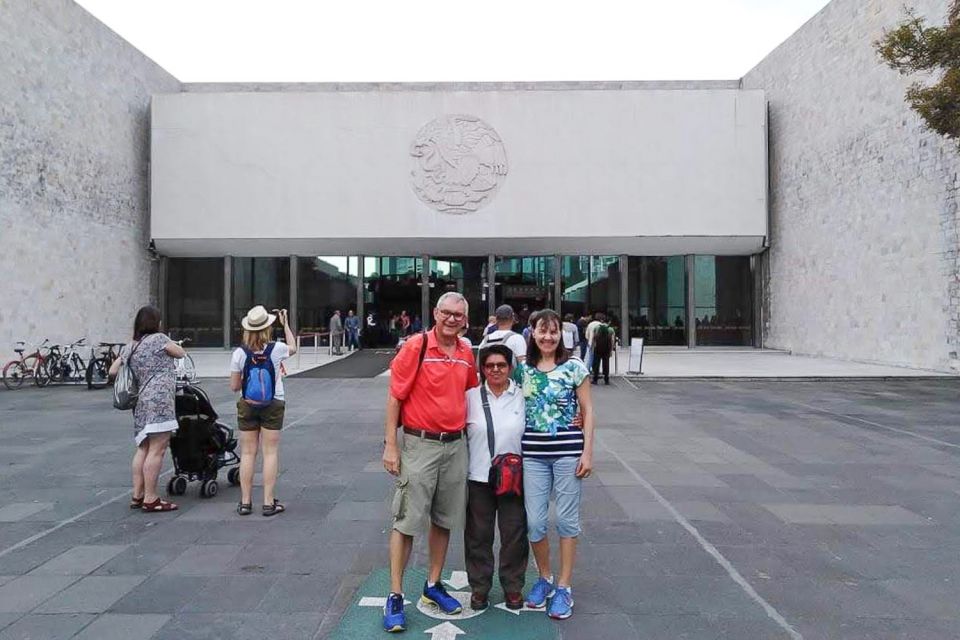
<point x="151" y="357"/>
<point x="557" y="455"/>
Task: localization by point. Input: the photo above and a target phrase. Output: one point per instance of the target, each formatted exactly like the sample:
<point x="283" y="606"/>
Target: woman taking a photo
<point x="557" y="455"/>
<point x="484" y="507"/>
<point x="255" y="372"/>
<point x="151" y="359"/>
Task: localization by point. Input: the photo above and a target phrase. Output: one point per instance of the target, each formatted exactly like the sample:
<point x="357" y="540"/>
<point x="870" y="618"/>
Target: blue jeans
<point x="540" y="477"/>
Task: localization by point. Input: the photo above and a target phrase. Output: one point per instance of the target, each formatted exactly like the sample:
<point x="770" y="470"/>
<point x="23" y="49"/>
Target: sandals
<point x="273" y="509"/>
<point x="244" y="508"/>
<point x="158" y="505"/>
<point x="136" y="503"/>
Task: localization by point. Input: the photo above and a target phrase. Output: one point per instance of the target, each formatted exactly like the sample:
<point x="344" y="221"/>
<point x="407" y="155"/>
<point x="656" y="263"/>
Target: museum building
<point x="645" y="201"/>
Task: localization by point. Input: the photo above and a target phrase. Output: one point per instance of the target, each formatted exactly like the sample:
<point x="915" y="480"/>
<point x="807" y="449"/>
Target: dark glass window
<point x="657" y="300"/>
<point x="194" y="304"/>
<point x="591" y="284"/>
<point x="256" y="281"/>
<point x="525" y="283"/>
<point x="326" y="284"/>
<point x="391" y="286"/>
<point x="723" y="293"/>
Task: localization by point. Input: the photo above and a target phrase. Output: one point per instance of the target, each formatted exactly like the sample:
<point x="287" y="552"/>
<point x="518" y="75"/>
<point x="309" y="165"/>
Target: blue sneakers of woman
<point x="394" y="619"/>
<point x="561" y="607"/>
<point x="437" y="595"/>
<point x="542" y="589"/>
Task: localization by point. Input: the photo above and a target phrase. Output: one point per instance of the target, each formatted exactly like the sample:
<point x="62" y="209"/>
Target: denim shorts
<point x="541" y="476"/>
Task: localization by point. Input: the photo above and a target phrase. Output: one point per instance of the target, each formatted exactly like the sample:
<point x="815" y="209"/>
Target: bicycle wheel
<point x="13" y="374"/>
<point x="55" y="371"/>
<point x="41" y="375"/>
<point x="97" y="373"/>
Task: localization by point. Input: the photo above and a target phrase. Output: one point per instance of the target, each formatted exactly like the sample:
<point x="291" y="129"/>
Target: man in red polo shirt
<point x="428" y="385"/>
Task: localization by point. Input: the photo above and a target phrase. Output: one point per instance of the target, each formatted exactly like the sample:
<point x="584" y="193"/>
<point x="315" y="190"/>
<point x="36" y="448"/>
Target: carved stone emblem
<point x="458" y="163"/>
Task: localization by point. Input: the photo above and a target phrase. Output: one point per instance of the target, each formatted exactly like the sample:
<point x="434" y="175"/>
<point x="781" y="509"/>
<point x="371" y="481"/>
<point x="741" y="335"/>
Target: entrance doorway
<point x="526" y="284"/>
<point x="391" y="286"/>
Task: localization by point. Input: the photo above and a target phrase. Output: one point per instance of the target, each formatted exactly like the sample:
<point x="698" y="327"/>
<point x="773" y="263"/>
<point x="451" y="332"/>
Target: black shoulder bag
<point x="506" y="469"/>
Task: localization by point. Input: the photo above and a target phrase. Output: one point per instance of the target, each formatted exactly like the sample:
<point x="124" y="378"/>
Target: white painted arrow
<point x="516" y="612"/>
<point x="445" y="631"/>
<point x="367" y="601"/>
<point x="458" y="579"/>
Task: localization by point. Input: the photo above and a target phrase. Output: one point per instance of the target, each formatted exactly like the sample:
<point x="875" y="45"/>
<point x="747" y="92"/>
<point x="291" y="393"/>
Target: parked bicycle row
<point x="65" y="364"/>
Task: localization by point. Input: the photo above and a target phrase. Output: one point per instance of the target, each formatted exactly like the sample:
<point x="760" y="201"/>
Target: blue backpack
<point x="259" y="377"/>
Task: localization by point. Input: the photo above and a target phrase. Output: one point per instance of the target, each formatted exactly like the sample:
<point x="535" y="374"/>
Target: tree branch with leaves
<point x="912" y="47"/>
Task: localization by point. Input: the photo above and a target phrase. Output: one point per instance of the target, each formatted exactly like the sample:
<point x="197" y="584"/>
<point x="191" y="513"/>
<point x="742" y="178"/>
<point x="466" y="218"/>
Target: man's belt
<point x="443" y="436"/>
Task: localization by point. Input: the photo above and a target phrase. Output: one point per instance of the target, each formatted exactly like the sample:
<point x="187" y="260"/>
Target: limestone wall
<point x="864" y="261"/>
<point x="74" y="163"/>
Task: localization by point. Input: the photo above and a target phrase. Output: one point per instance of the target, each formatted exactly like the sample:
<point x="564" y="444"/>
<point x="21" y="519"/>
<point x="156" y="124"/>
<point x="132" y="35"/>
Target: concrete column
<point x="294" y="291"/>
<point x="162" y="276"/>
<point x="425" y="315"/>
<point x="557" y="285"/>
<point x="227" y="299"/>
<point x="360" y="311"/>
<point x="491" y="284"/>
<point x="689" y="263"/>
<point x="624" y="301"/>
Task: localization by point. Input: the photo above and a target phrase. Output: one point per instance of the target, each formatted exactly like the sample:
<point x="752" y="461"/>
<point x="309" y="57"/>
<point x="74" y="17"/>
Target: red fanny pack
<point x="506" y="475"/>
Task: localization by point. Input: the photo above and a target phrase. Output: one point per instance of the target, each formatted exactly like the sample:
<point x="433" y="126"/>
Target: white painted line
<point x="941" y="443"/>
<point x="367" y="601"/>
<point x="772" y="613"/>
<point x="63" y="523"/>
<point x="503" y="607"/>
<point x="458" y="579"/>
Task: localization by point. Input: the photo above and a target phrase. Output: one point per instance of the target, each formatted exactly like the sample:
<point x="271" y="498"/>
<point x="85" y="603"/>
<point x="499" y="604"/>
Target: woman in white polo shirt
<point x="484" y="507"/>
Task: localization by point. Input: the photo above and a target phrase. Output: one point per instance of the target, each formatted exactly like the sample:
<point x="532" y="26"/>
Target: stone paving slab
<point x="817" y="496"/>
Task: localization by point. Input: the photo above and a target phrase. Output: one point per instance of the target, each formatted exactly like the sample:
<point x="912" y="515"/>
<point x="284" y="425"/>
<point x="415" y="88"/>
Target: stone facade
<point x="863" y="263"/>
<point x="74" y="163"/>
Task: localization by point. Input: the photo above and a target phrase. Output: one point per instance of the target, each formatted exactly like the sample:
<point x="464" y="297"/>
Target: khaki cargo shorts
<point x="251" y="418"/>
<point x="432" y="483"/>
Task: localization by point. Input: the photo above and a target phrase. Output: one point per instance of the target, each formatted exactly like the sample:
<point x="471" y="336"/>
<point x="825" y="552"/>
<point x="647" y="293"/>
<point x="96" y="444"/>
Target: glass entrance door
<point x="391" y="295"/>
<point x="525" y="283"/>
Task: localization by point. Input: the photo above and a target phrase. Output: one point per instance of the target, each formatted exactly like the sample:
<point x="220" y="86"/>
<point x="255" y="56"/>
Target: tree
<point x="913" y="46"/>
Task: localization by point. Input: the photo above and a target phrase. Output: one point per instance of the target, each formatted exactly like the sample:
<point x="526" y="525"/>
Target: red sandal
<point x="136" y="503"/>
<point x="159" y="505"/>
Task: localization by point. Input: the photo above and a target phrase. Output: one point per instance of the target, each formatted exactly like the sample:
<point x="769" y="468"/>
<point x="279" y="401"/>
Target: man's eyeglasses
<point x="496" y="366"/>
<point x="456" y="315"/>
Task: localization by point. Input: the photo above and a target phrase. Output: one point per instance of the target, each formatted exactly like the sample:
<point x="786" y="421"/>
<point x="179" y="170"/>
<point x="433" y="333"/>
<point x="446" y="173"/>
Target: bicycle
<point x="16" y="371"/>
<point x="67" y="365"/>
<point x="185" y="369"/>
<point x="98" y="371"/>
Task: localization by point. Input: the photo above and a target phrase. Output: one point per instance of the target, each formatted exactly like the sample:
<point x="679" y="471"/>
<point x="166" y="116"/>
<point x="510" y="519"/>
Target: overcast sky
<point x="450" y="40"/>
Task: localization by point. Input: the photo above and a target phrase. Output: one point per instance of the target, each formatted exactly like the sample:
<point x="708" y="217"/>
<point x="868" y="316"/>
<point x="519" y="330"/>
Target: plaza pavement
<point x="728" y="509"/>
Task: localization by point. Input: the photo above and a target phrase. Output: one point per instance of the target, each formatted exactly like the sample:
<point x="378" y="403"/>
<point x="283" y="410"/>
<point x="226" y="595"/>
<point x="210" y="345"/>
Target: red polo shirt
<point x="436" y="398"/>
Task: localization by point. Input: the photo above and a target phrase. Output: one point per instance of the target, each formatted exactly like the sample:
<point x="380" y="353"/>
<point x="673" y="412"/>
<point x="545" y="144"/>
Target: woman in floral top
<point x="557" y="455"/>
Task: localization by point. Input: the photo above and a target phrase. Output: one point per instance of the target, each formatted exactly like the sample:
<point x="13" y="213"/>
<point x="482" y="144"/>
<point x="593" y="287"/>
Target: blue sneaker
<point x="437" y="595"/>
<point x="394" y="619"/>
<point x="561" y="607"/>
<point x="542" y="589"/>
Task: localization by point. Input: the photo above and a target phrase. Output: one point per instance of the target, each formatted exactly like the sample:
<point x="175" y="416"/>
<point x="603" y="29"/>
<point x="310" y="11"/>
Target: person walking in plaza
<point x="571" y="334"/>
<point x="336" y="333"/>
<point x="151" y="359"/>
<point x="429" y="378"/>
<point x="494" y="409"/>
<point x="404" y="323"/>
<point x="588" y="334"/>
<point x="255" y="373"/>
<point x="352" y="326"/>
<point x="505" y="335"/>
<point x="604" y="339"/>
<point x="557" y="455"/>
<point x="582" y="329"/>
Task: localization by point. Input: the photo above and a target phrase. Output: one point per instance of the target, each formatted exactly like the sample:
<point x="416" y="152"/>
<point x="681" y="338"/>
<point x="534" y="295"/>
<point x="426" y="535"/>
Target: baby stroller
<point x="202" y="445"/>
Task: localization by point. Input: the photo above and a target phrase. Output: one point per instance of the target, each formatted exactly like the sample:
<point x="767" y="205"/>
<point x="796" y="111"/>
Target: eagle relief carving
<point x="458" y="163"/>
